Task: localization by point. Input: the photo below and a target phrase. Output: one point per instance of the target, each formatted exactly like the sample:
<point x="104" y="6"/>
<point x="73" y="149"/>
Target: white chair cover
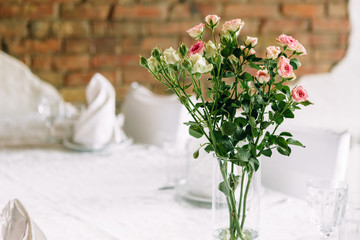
<point x="20" y="88"/>
<point x="150" y="118"/>
<point x="325" y="156"/>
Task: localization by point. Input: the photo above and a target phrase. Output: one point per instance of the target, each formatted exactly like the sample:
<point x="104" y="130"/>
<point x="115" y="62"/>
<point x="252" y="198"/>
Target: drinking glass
<point x="327" y="202"/>
<point x="49" y="109"/>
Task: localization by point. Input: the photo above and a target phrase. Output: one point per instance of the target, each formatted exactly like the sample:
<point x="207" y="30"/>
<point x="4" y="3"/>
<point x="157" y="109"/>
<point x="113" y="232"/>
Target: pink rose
<point x="212" y="20"/>
<point x="251" y="41"/>
<point x="301" y="50"/>
<point x="197" y="48"/>
<point x="285" y="68"/>
<point x="273" y="52"/>
<point x="233" y="26"/>
<point x="299" y="94"/>
<point x="288" y="41"/>
<point x="197" y="31"/>
<point x="262" y="76"/>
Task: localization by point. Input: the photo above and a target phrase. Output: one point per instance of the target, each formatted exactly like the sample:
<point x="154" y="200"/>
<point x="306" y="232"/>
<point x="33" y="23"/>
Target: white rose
<point x="199" y="64"/>
<point x="171" y="56"/>
<point x="234" y="60"/>
<point x="153" y="64"/>
<point x="210" y="49"/>
<point x="251" y="41"/>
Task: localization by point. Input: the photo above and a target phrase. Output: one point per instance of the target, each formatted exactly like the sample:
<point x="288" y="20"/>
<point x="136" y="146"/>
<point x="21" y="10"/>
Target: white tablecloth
<point x="114" y="193"/>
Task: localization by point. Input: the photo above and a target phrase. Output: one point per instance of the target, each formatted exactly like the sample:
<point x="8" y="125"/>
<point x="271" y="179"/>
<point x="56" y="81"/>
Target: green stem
<point x="245" y="200"/>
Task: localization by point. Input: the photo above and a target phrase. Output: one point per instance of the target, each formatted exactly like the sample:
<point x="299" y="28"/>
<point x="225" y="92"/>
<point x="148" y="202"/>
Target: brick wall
<point x="66" y="41"/>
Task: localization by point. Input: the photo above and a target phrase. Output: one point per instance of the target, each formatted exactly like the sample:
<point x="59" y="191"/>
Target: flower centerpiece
<point x="240" y="101"/>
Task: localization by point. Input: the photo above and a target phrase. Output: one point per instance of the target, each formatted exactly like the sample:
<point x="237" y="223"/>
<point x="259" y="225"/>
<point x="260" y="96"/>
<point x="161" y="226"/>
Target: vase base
<point x="224" y="234"/>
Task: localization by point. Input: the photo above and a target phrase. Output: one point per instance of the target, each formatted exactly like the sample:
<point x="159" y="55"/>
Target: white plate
<point x="68" y="143"/>
<point x="185" y="194"/>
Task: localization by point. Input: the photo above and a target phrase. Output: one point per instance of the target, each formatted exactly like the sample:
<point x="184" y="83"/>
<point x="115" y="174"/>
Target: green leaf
<point x="280" y="141"/>
<point x="228" y="75"/>
<point x="197" y="75"/>
<point x="224" y="188"/>
<point x="267" y="152"/>
<point x="306" y="103"/>
<point x="252" y="122"/>
<point x="280" y="97"/>
<point x="254" y="163"/>
<point x="196" y="154"/>
<point x="209" y="148"/>
<point x="284" y="151"/>
<point x="248" y="77"/>
<point x="228" y="128"/>
<point x="271" y="139"/>
<point x="242" y="155"/>
<point x="196" y="131"/>
<point x="288" y="113"/>
<point x="233" y="181"/>
<point x="294" y="142"/>
<point x="253" y="65"/>
<point x="287" y="134"/>
<point x="295" y="63"/>
<point x="191" y="123"/>
<point x="239" y="134"/>
<point x="286" y="90"/>
<point x="279" y="120"/>
<point x="279" y="86"/>
<point x="264" y="124"/>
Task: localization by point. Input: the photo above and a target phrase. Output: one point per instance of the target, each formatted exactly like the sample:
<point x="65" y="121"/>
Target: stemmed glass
<point x="49" y="110"/>
<point x="327" y="202"/>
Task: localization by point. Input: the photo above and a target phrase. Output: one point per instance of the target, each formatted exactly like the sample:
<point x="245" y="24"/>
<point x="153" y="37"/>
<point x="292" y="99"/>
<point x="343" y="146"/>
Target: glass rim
<point x="327" y="183"/>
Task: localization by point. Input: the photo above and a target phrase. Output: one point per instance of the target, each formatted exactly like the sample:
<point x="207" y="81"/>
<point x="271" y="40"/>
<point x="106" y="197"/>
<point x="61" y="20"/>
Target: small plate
<point x="68" y="143"/>
<point x="185" y="194"/>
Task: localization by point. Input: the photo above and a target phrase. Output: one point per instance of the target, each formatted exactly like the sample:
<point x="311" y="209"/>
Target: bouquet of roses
<point x="244" y="101"/>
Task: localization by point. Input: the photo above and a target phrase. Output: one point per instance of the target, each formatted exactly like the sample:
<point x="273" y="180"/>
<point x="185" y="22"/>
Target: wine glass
<point x="49" y="109"/>
<point x="327" y="202"/>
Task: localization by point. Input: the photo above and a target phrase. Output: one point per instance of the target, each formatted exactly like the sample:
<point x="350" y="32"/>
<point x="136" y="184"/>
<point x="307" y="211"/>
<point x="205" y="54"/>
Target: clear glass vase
<point x="235" y="202"/>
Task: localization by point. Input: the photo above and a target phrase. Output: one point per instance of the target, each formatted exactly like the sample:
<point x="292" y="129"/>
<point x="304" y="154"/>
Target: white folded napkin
<point x="17" y="225"/>
<point x="98" y="125"/>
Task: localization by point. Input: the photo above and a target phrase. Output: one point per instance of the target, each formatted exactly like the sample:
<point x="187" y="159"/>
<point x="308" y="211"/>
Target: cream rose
<point x="285" y="68"/>
<point x="272" y="52"/>
<point x="233" y="26"/>
<point x="197" y="31"/>
<point x="171" y="56"/>
<point x="251" y="41"/>
<point x="301" y="50"/>
<point x="199" y="64"/>
<point x="263" y="76"/>
<point x="153" y="64"/>
<point x="299" y="94"/>
<point x="210" y="49"/>
<point x="212" y="20"/>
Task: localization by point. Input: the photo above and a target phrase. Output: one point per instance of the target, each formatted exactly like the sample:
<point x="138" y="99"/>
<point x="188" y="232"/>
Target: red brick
<point x="40" y="28"/>
<point x="170" y="28"/>
<point x="54" y="78"/>
<point x="137" y="74"/>
<point x="41" y="62"/>
<point x="139" y="11"/>
<point x="323" y="40"/>
<point x="39" y="11"/>
<point x="72" y="62"/>
<point x="329" y="54"/>
<point x="209" y="9"/>
<point x="83" y="78"/>
<point x="338" y="10"/>
<point x="85" y="11"/>
<point x="71" y="28"/>
<point x="303" y="10"/>
<point x="13" y="28"/>
<point x="77" y="45"/>
<point x="14" y="10"/>
<point x="331" y="25"/>
<point x="281" y="26"/>
<point x="102" y="45"/>
<point x="43" y="46"/>
<point x="129" y="60"/>
<point x="100" y="61"/>
<point x="180" y="12"/>
<point x="163" y="43"/>
<point x="251" y="10"/>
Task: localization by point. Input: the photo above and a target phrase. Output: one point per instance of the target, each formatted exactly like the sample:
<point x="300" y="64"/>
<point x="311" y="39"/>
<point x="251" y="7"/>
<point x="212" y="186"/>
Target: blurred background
<point x="65" y="42"/>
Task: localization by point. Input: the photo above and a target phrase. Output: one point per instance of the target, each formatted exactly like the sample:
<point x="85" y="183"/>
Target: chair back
<point x="150" y="118"/>
<point x="325" y="156"/>
<point x="20" y="89"/>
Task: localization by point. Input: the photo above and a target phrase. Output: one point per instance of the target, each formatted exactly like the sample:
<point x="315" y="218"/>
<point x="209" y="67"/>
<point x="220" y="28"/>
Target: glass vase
<point x="235" y="201"/>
